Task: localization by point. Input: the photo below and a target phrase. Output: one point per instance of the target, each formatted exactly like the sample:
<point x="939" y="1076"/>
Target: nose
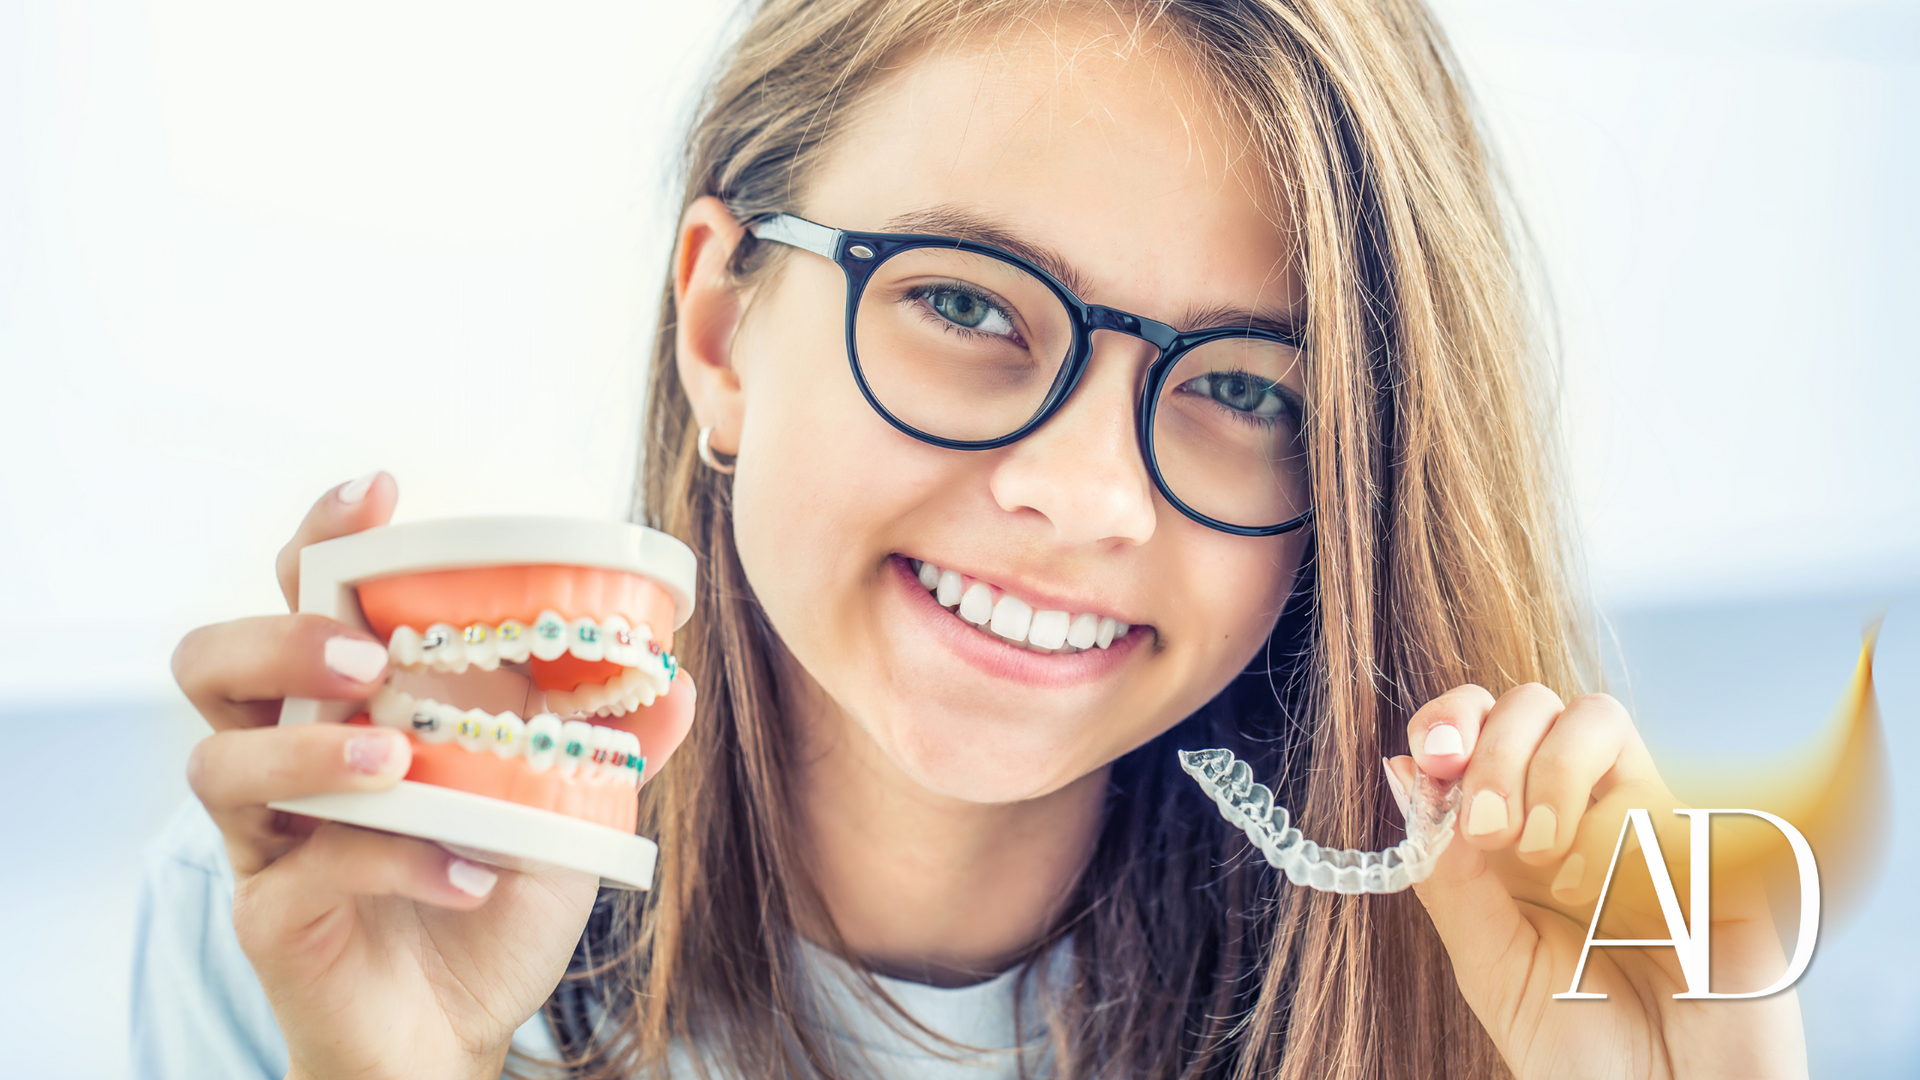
<point x="1082" y="469"/>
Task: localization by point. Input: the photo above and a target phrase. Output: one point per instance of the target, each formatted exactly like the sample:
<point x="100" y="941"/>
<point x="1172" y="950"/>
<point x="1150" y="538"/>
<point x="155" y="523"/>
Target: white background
<point x="249" y="251"/>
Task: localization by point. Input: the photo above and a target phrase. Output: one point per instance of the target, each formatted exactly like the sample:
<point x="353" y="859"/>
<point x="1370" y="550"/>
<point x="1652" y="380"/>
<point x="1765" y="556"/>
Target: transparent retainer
<point x="1251" y="809"/>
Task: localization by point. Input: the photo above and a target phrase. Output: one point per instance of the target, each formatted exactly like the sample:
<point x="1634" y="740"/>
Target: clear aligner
<point x="575" y="748"/>
<point x="1250" y="807"/>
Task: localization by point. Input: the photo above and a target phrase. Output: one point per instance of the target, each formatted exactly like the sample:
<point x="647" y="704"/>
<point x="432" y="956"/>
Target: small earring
<point x="707" y="455"/>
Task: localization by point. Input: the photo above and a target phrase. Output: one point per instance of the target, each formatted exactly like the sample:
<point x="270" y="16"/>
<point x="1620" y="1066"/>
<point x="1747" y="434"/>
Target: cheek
<point x="812" y="487"/>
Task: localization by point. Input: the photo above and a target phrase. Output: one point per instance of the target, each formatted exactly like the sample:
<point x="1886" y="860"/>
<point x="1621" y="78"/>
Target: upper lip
<point x="1041" y="597"/>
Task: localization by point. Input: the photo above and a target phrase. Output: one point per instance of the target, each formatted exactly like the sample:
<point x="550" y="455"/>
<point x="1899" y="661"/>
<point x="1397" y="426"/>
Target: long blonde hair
<point x="1436" y="560"/>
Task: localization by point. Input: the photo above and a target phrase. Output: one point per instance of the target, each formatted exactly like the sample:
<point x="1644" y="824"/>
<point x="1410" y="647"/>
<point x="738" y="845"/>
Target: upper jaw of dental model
<point x="446" y="648"/>
<point x="1012" y="619"/>
<point x="1250" y="807"/>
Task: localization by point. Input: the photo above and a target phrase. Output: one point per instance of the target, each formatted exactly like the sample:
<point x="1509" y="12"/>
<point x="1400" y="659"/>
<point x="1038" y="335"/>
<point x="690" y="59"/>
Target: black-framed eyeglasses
<point x="966" y="346"/>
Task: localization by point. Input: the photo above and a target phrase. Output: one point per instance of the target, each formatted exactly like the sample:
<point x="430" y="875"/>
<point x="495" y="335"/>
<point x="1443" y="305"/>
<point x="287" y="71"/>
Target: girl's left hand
<point x="1546" y="786"/>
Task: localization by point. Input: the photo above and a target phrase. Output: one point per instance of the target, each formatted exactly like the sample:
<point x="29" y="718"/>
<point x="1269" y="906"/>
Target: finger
<point x="1486" y="936"/>
<point x="1493" y="790"/>
<point x="1582" y="746"/>
<point x="229" y="668"/>
<point x="350" y="508"/>
<point x="300" y="911"/>
<point x="663" y="726"/>
<point x="237" y="773"/>
<point x="230" y="770"/>
<point x="1441" y="735"/>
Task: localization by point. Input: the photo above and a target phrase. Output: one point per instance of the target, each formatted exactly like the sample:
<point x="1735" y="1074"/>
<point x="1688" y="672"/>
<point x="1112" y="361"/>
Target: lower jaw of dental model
<point x="1014" y="621"/>
<point x="1250" y="807"/>
<point x="573" y="647"/>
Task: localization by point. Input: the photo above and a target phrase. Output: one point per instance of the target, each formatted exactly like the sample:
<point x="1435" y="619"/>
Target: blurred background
<point x="249" y="251"/>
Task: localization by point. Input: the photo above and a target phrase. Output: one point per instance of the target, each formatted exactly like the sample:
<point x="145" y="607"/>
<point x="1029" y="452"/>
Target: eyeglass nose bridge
<point x="1158" y="334"/>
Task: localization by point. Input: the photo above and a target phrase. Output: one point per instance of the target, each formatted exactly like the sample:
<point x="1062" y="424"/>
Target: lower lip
<point x="999" y="659"/>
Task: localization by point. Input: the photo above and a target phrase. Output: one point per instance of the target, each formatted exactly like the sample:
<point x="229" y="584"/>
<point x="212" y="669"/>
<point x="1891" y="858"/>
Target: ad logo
<point x="1693" y="947"/>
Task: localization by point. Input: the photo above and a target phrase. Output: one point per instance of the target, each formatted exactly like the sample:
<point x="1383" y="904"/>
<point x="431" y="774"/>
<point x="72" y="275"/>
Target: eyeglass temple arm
<point x="800" y="233"/>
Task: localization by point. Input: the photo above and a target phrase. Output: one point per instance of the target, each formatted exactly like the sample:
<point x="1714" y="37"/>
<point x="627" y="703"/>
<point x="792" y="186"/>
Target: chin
<point x="982" y="759"/>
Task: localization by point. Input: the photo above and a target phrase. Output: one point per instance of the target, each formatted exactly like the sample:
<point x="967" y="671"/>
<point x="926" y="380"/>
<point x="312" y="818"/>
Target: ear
<point x="707" y="307"/>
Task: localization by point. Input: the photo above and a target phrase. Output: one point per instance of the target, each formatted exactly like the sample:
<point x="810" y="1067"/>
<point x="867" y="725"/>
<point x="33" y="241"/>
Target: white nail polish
<point x="354" y="490"/>
<point x="361" y="661"/>
<point x="471" y="878"/>
<point x="1443" y="740"/>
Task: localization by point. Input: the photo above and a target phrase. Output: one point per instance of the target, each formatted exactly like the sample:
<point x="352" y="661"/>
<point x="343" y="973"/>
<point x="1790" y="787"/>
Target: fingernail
<point x="1443" y="740"/>
<point x="471" y="878"/>
<point x="1488" y="814"/>
<point x="355" y="658"/>
<point x="1399" y="790"/>
<point x="1566" y="884"/>
<point x="1542" y="823"/>
<point x="354" y="490"/>
<point x="369" y="754"/>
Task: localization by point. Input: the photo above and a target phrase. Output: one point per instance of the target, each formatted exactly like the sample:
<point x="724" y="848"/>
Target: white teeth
<point x="549" y="637"/>
<point x="446" y="720"/>
<point x="543" y="741"/>
<point x="609" y="754"/>
<point x="622" y="647"/>
<point x="403" y="648"/>
<point x="1011" y="617"/>
<point x="479" y="642"/>
<point x="599" y="752"/>
<point x="391" y="708"/>
<point x="442" y="650"/>
<point x="949" y="589"/>
<point x="510" y="642"/>
<point x="504" y="738"/>
<point x="561" y="701"/>
<point x="576" y="737"/>
<point x="584" y="641"/>
<point x="473" y="728"/>
<point x="1049" y="629"/>
<point x="976" y="605"/>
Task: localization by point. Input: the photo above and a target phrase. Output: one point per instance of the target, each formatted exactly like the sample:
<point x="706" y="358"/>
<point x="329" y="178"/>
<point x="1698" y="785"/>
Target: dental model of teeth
<point x="1250" y="808"/>
<point x="1012" y="619"/>
<point x="649" y="672"/>
<point x="572" y="749"/>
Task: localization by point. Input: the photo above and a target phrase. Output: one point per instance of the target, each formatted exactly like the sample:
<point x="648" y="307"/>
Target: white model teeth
<point x="441" y="649"/>
<point x="543" y="741"/>
<point x="1012" y="619"/>
<point x="445" y="648"/>
<point x="403" y="648"/>
<point x="549" y="636"/>
<point x="482" y="651"/>
<point x="575" y="748"/>
<point x="510" y="641"/>
<point x="575" y="737"/>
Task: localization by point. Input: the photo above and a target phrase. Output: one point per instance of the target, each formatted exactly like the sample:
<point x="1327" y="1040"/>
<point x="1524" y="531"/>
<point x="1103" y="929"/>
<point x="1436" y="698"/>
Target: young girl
<point x="1233" y="359"/>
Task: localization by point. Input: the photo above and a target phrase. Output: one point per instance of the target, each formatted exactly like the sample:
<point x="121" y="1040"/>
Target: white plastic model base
<point x="477" y="826"/>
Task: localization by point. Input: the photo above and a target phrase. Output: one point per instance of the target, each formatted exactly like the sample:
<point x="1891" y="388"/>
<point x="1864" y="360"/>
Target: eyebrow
<point x="952" y="221"/>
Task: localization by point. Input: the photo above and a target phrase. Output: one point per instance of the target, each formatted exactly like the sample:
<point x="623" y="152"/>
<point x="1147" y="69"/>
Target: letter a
<point x="1693" y="948"/>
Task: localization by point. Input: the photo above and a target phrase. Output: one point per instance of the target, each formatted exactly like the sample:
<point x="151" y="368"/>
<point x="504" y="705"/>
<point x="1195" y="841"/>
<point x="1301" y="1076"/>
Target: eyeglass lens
<point x="968" y="347"/>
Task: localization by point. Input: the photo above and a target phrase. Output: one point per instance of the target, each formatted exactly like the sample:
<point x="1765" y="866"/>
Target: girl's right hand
<point x="381" y="955"/>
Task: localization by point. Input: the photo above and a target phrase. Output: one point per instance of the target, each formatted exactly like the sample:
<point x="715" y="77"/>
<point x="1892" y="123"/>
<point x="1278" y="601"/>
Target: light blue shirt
<point x="199" y="1012"/>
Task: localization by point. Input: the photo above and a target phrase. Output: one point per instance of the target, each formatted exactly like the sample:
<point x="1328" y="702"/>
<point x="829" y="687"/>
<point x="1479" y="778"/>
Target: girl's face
<point x="1111" y="157"/>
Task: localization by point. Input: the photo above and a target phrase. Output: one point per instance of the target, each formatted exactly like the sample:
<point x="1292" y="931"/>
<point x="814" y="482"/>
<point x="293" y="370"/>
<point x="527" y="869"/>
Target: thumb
<point x="1488" y="939"/>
